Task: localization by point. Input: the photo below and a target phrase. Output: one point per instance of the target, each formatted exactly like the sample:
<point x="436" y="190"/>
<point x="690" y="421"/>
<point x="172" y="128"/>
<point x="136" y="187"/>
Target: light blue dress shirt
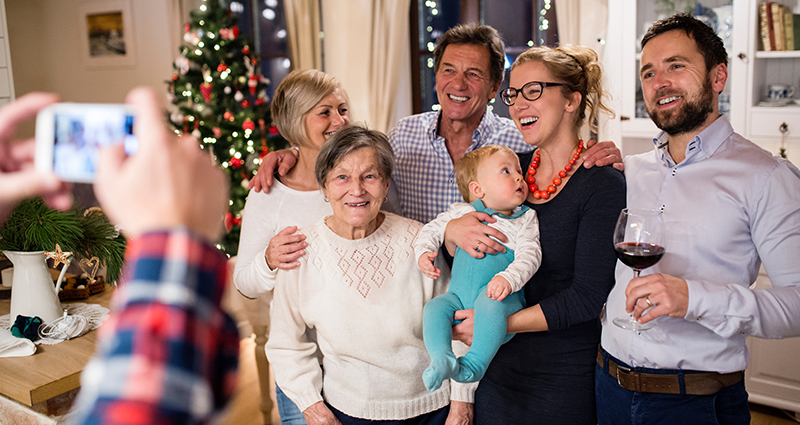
<point x="424" y="181"/>
<point x="727" y="207"/>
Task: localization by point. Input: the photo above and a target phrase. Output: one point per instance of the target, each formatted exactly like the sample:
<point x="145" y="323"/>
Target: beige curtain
<point x="366" y="47"/>
<point x="389" y="44"/>
<point x="585" y="23"/>
<point x="303" y="28"/>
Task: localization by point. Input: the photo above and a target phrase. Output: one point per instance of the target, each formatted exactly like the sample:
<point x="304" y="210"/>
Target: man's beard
<point x="689" y="117"/>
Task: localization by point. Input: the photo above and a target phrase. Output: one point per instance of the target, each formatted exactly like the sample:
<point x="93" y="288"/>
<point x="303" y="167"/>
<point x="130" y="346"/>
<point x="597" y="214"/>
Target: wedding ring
<point x="478" y="246"/>
<point x="647" y="300"/>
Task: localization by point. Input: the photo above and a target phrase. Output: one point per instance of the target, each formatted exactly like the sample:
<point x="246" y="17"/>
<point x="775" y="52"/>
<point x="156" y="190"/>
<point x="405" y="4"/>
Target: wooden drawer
<point x="766" y="122"/>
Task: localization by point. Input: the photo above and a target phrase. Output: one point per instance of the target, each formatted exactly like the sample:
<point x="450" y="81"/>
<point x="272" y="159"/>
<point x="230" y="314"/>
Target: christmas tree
<point x="219" y="96"/>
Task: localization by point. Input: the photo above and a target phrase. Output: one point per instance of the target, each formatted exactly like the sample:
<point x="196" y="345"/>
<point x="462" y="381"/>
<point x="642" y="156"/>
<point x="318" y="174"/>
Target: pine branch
<point x="32" y="226"/>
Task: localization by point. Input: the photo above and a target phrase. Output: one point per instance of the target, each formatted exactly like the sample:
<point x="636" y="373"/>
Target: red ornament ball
<point x="246" y="50"/>
<point x="222" y="67"/>
<point x="259" y="102"/>
<point x="273" y="131"/>
<point x="245" y="103"/>
<point x="228" y="115"/>
<point x="248" y="123"/>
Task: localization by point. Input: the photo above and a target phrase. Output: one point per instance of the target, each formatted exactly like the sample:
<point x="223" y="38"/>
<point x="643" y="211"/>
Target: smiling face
<point x="356" y="189"/>
<point x="500" y="183"/>
<point x="679" y="93"/>
<point x="326" y="117"/>
<point x="548" y="118"/>
<point x="463" y="83"/>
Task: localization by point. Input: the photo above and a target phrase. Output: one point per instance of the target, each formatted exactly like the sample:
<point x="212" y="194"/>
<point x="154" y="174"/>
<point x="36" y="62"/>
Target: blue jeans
<point x="290" y="414"/>
<point x="618" y="406"/>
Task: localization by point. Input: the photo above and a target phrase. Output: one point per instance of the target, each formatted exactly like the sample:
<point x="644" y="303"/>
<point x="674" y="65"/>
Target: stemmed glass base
<point x="629" y="323"/>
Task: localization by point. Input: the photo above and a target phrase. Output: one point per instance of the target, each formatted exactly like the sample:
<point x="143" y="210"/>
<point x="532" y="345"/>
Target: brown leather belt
<point x="703" y="383"/>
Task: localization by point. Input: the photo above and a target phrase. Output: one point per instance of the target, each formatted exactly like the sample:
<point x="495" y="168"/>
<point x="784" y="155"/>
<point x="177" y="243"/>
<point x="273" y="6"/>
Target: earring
<point x="326" y="198"/>
<point x="385" y="199"/>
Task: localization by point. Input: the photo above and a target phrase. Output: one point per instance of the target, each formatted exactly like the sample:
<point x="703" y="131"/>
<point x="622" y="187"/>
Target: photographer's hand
<point x="18" y="178"/>
<point x="156" y="188"/>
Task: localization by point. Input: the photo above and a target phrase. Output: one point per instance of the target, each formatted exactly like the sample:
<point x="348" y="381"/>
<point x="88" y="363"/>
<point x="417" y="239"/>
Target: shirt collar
<point x="518" y="211"/>
<point x="487" y="124"/>
<point x="707" y="142"/>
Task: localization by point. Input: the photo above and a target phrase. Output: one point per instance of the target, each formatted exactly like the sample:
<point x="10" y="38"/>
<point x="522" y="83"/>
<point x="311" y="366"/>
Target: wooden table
<point x="53" y="369"/>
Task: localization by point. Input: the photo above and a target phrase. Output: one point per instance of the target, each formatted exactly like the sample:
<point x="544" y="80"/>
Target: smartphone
<point x="69" y="135"/>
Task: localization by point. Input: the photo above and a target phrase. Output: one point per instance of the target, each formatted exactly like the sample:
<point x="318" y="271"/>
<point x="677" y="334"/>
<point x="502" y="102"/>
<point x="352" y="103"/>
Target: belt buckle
<point x="625" y="370"/>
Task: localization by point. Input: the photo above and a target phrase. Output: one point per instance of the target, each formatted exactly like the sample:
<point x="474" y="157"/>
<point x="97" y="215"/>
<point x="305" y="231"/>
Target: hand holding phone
<point x="69" y="135"/>
<point x="18" y="177"/>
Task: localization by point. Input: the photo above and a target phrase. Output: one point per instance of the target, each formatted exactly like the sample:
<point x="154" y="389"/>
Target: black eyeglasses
<point x="531" y="91"/>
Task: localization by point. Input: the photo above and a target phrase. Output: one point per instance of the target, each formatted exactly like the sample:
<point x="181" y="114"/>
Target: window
<point x="521" y="24"/>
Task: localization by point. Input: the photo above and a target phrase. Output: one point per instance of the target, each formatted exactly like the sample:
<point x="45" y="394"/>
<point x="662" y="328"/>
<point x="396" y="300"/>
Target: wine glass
<point x="639" y="243"/>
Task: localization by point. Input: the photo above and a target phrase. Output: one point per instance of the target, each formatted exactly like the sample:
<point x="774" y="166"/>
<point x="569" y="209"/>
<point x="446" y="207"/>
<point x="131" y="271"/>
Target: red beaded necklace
<point x="544" y="194"/>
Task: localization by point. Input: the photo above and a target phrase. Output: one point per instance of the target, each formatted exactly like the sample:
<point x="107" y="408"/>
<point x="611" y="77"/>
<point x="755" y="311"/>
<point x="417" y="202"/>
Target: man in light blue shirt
<point x="727" y="206"/>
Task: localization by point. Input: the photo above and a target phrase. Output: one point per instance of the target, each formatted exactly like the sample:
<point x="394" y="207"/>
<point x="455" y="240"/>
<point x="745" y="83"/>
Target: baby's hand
<point x="425" y="264"/>
<point x="498" y="288"/>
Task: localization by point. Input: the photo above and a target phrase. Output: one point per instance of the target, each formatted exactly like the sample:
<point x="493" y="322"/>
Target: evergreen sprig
<point x="101" y="240"/>
<point x="33" y="226"/>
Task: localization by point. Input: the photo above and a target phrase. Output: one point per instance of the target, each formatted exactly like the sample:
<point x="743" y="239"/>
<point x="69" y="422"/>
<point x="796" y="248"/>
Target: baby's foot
<point x="469" y="370"/>
<point x="442" y="367"/>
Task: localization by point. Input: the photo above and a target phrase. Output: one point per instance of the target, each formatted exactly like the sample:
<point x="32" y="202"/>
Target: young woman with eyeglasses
<point x="545" y="374"/>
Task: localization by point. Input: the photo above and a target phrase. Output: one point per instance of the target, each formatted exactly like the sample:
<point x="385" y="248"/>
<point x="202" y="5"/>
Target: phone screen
<point x="79" y="132"/>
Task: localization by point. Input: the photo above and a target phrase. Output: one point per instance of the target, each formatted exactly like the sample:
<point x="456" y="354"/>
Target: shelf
<point x="778" y="55"/>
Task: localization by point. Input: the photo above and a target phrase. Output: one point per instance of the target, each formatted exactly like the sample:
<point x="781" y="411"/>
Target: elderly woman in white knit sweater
<point x="358" y="288"/>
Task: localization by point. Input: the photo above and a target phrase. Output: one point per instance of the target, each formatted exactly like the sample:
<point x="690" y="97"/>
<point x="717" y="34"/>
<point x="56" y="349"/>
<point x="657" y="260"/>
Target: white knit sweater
<point x="364" y="298"/>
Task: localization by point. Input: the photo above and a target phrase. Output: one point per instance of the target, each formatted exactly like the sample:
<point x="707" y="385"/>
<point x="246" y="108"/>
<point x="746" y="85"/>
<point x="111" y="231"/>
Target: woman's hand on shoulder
<point x="473" y="236"/>
<point x="285" y="248"/>
<point x="603" y="153"/>
<point x="282" y="161"/>
<point x="319" y="414"/>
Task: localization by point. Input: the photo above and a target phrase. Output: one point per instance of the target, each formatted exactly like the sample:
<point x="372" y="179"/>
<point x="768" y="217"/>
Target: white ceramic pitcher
<point x="32" y="290"/>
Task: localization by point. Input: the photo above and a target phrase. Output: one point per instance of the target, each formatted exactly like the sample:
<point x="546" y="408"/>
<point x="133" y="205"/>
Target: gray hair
<point x="348" y="140"/>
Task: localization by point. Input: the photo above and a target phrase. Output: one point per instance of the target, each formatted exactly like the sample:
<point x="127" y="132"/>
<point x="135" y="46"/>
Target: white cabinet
<point x="749" y="73"/>
<point x="6" y="80"/>
<point x="773" y="375"/>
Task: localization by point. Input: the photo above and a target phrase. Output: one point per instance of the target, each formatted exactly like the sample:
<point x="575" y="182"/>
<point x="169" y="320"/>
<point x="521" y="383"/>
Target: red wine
<point x="639" y="255"/>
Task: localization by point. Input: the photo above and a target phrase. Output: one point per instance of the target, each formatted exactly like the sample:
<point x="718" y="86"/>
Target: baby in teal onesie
<point x="491" y="179"/>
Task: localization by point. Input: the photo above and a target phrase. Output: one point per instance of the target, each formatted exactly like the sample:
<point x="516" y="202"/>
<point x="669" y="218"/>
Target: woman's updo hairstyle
<point x="578" y="68"/>
<point x="295" y="97"/>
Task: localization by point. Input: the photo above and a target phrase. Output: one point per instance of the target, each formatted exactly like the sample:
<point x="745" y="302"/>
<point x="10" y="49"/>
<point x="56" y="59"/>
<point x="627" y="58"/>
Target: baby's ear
<point x="475" y="190"/>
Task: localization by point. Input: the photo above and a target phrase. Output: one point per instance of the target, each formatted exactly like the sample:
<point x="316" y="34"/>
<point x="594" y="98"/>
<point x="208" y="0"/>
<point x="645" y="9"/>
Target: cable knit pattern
<point x="364" y="298"/>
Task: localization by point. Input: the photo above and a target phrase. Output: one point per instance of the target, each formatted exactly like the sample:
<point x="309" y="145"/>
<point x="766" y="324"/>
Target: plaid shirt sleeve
<point x="168" y="354"/>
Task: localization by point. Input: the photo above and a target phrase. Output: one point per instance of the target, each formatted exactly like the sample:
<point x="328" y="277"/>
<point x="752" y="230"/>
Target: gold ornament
<point x="90" y="267"/>
<point x="58" y="256"/>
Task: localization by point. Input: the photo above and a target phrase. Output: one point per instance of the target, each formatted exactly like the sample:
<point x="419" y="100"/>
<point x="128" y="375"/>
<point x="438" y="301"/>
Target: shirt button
<point x="450" y="181"/>
<point x="663" y="207"/>
<point x="674" y="170"/>
<point x="699" y="318"/>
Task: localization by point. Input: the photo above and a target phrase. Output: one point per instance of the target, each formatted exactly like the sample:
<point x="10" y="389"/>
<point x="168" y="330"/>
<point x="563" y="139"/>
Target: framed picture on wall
<point x="107" y="33"/>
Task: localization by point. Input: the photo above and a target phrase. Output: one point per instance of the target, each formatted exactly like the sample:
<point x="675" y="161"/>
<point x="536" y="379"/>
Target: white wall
<point x="44" y="38"/>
